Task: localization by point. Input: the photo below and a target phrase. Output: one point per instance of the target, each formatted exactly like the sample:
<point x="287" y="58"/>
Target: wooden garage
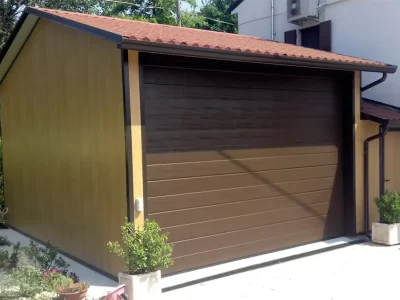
<point x="238" y="145"/>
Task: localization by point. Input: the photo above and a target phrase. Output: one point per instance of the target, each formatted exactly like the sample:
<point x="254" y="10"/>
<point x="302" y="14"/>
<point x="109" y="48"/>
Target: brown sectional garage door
<point x="241" y="163"/>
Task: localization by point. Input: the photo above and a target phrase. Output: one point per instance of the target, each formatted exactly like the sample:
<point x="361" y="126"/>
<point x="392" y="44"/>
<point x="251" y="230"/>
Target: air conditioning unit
<point x="299" y="11"/>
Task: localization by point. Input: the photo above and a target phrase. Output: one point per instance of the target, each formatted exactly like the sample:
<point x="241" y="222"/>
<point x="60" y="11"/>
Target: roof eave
<point x="212" y="53"/>
<point x="107" y="35"/>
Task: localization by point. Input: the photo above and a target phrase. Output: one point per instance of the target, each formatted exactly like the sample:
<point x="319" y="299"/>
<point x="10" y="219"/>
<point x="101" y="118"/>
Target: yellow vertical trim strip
<point x="359" y="154"/>
<point x="136" y="135"/>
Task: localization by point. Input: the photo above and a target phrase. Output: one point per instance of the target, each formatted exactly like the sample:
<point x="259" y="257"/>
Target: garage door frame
<point x="348" y="135"/>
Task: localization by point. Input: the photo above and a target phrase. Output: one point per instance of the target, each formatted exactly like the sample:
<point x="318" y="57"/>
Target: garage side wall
<point x="64" y="149"/>
<point x="364" y="129"/>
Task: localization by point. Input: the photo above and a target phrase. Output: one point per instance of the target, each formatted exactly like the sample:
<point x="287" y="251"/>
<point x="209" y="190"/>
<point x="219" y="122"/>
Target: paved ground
<point x="363" y="271"/>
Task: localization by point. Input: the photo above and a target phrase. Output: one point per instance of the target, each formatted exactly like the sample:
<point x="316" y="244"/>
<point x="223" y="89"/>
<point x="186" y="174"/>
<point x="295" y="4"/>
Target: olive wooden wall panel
<point x="392" y="165"/>
<point x="64" y="149"/>
<point x="392" y="162"/>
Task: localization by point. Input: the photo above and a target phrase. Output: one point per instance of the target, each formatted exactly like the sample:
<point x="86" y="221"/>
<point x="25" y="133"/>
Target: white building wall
<point x="363" y="28"/>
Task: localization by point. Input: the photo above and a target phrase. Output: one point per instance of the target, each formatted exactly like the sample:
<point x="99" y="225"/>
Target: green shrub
<point x="46" y="258"/>
<point x="9" y="261"/>
<point x="4" y="241"/>
<point x="144" y="250"/>
<point x="24" y="281"/>
<point x="56" y="280"/>
<point x="389" y="207"/>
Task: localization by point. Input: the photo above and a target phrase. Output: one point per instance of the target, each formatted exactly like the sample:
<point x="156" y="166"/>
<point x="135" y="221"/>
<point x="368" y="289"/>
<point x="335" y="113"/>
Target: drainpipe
<point x="272" y="20"/>
<point x="371" y="85"/>
<point x="381" y="134"/>
<point x="382" y="161"/>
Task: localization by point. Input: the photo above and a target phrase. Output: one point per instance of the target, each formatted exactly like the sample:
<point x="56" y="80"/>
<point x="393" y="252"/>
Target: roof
<point x="379" y="112"/>
<point x="234" y="4"/>
<point x="174" y="40"/>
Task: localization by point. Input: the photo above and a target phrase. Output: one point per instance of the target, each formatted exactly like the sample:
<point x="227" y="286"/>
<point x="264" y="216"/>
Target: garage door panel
<point x="245" y="236"/>
<point x="201" y="229"/>
<point x="196" y="169"/>
<point x="226" y="254"/>
<point x="185" y="201"/>
<point x="184" y="96"/>
<point x="228" y="210"/>
<point x="197" y="155"/>
<point x="242" y="163"/>
<point x="228" y="139"/>
<point x="200" y="78"/>
<point x="200" y="184"/>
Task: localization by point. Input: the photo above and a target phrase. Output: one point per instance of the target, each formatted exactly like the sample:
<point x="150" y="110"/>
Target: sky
<point x="186" y="6"/>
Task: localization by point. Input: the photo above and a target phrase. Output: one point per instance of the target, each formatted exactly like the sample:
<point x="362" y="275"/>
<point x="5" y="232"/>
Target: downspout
<point x="382" y="132"/>
<point x="272" y="20"/>
<point x="382" y="161"/>
<point x="371" y="85"/>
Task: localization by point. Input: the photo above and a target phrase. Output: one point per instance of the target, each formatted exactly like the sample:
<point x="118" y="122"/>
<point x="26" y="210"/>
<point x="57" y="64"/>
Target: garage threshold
<point x="184" y="279"/>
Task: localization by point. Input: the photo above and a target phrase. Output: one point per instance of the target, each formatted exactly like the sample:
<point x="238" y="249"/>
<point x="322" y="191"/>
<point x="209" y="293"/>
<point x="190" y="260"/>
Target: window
<point x="316" y="37"/>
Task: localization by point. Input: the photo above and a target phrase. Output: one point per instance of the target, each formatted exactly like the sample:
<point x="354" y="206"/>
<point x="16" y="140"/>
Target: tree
<point x="156" y="11"/>
<point x="83" y="6"/>
<point x="9" y="11"/>
<point x="218" y="10"/>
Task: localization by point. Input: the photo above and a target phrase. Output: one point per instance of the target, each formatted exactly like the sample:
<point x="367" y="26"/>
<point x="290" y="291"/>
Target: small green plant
<point x="46" y="258"/>
<point x="9" y="261"/>
<point x="73" y="288"/>
<point x="389" y="207"/>
<point x="26" y="281"/>
<point x="57" y="280"/>
<point x="144" y="251"/>
<point x="3" y="213"/>
<point x="4" y="241"/>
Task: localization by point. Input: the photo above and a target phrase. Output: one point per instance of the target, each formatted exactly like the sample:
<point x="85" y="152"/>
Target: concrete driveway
<point x="362" y="271"/>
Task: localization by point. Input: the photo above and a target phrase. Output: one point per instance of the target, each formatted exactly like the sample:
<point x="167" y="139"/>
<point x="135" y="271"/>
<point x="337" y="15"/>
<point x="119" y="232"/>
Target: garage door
<point x="241" y="163"/>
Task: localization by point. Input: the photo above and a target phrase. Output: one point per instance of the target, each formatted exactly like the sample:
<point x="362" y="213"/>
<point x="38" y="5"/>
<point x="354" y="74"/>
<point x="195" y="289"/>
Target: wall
<point x="63" y="137"/>
<point x="361" y="28"/>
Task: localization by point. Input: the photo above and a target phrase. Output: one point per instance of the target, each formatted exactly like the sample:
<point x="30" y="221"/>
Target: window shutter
<point x="325" y="36"/>
<point x="291" y="37"/>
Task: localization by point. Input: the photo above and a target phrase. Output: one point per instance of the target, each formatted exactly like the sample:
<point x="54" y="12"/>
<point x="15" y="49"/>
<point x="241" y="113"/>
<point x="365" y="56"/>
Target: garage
<point x="241" y="160"/>
<point x="237" y="146"/>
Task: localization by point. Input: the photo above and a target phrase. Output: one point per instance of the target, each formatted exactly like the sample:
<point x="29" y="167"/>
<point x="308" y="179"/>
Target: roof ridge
<point x="148" y="23"/>
<point x="192" y="37"/>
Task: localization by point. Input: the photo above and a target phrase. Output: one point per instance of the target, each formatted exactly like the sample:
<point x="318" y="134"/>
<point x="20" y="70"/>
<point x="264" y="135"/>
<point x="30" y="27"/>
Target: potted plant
<point x="387" y="231"/>
<point x="73" y="291"/>
<point x="145" y="252"/>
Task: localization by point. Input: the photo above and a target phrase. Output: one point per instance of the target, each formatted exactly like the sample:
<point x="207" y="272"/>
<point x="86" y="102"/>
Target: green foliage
<point x="155" y="11"/>
<point x="26" y="281"/>
<point x="4" y="241"/>
<point x="143" y="251"/>
<point x="9" y="10"/>
<point x="46" y="258"/>
<point x="9" y="261"/>
<point x="57" y="280"/>
<point x="73" y="288"/>
<point x="389" y="207"/>
<point x="218" y="10"/>
<point x="83" y="6"/>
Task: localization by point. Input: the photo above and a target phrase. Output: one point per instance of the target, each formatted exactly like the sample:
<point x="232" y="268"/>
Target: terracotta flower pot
<point x="73" y="296"/>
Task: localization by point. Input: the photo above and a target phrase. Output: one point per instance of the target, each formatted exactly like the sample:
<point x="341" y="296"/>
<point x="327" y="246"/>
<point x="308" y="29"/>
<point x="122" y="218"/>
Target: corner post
<point x="134" y="129"/>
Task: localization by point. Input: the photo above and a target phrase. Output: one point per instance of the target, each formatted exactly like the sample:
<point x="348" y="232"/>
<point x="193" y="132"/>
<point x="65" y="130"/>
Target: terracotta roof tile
<point x="157" y="33"/>
<point x="380" y="111"/>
